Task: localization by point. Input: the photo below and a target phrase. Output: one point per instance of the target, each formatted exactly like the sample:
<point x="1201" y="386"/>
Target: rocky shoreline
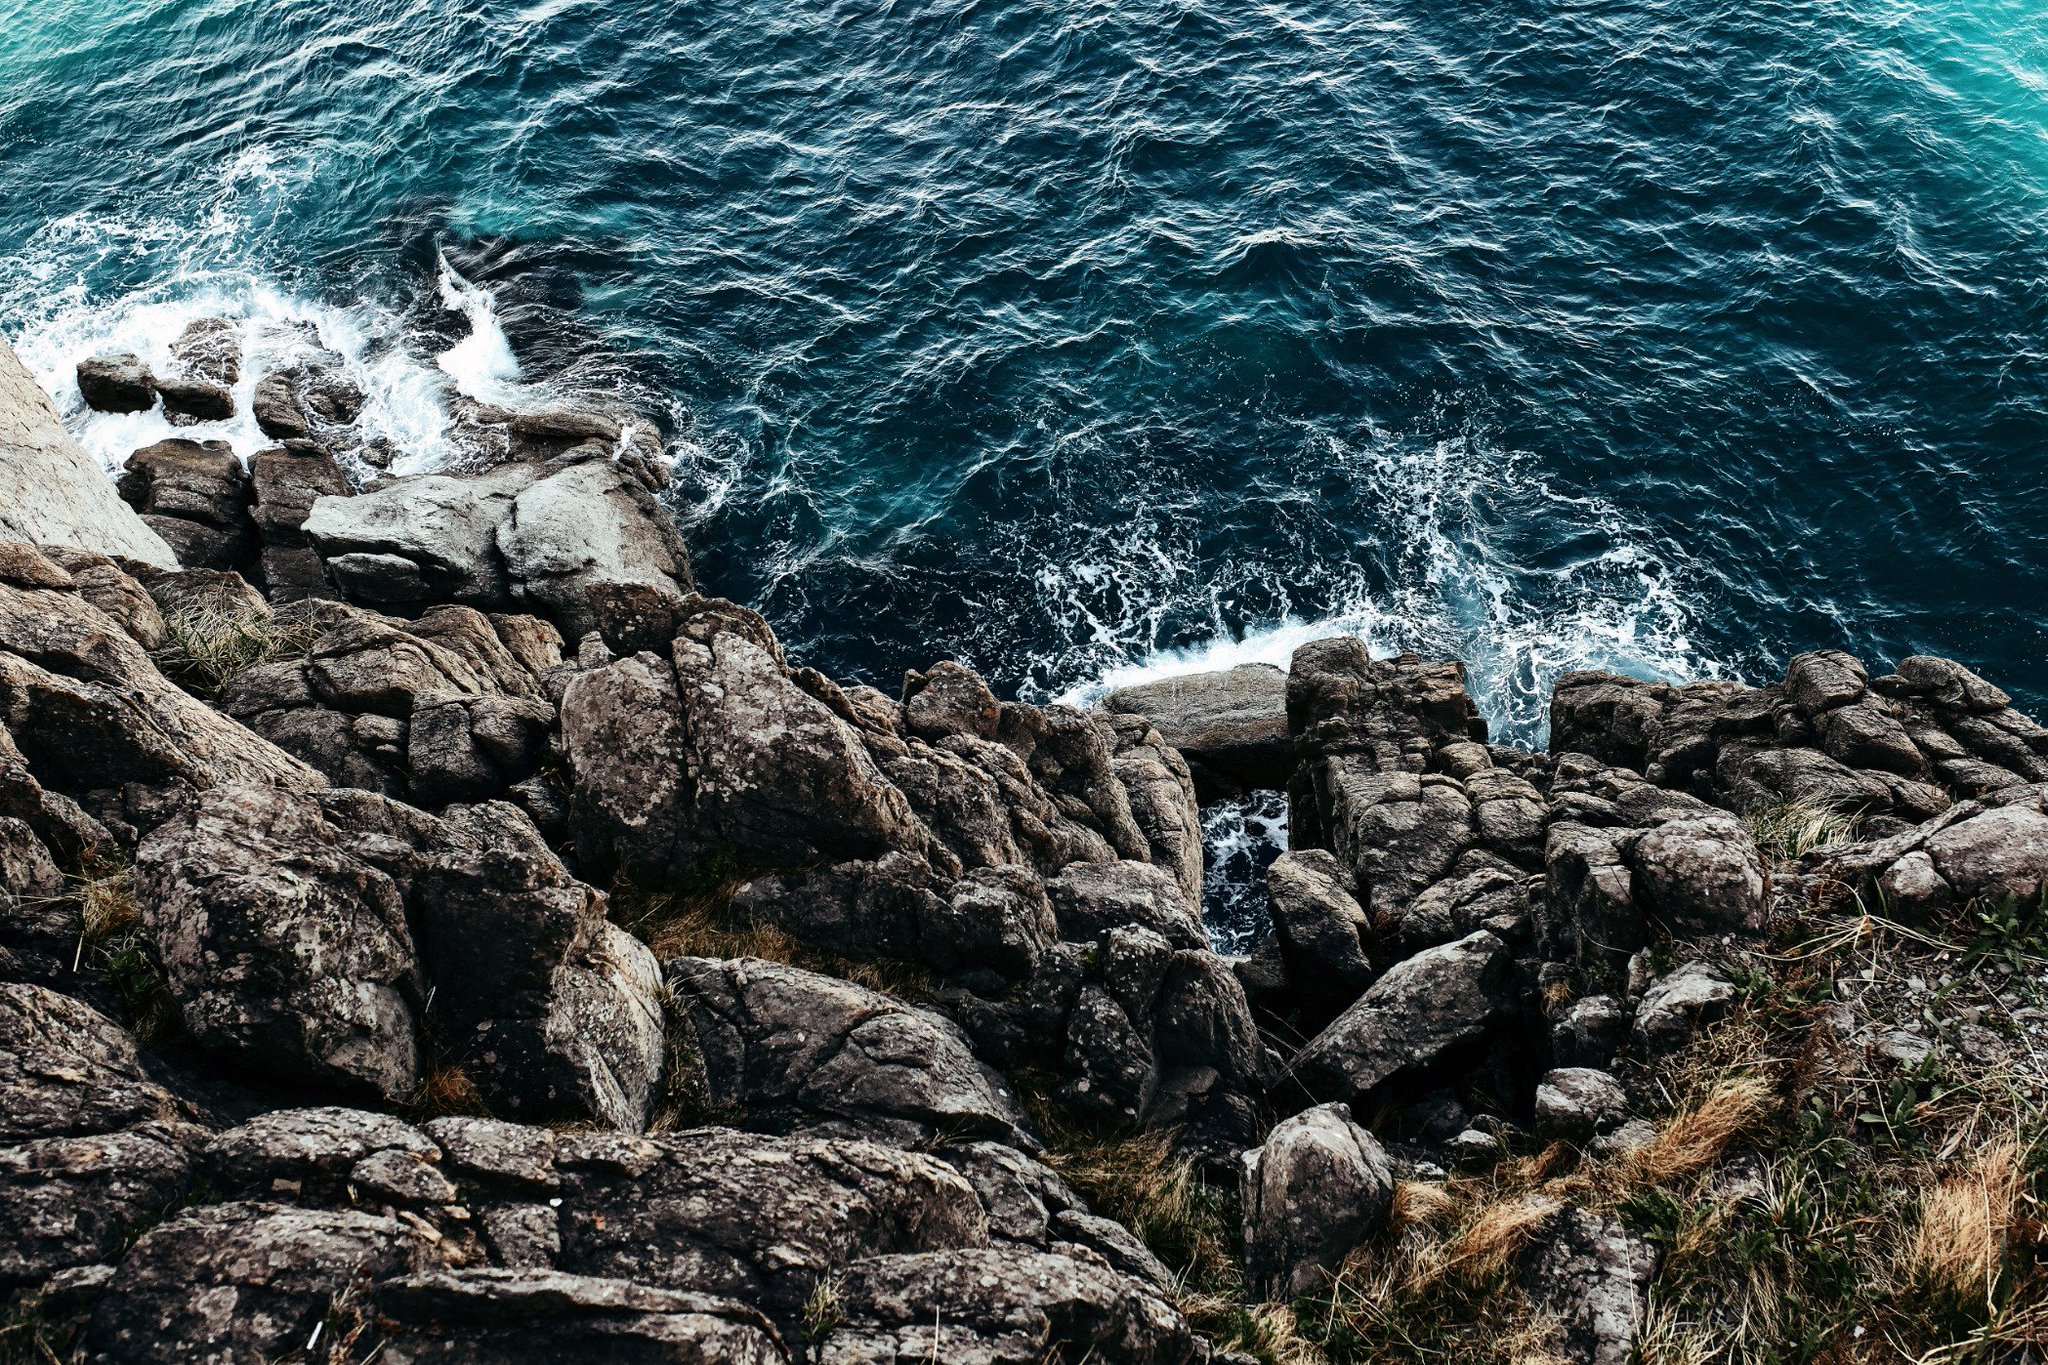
<point x="435" y="930"/>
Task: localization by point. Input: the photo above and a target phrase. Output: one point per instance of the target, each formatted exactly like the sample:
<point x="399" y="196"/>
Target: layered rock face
<point x="525" y="959"/>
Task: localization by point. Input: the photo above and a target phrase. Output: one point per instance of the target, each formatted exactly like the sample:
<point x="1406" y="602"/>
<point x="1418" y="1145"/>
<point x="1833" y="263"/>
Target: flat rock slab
<point x="1231" y="725"/>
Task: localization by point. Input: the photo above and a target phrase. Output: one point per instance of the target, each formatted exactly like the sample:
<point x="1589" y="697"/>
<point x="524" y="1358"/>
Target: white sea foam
<point x="58" y="311"/>
<point x="1441" y="585"/>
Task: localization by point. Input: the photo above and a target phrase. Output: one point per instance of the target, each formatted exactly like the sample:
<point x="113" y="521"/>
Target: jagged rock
<point x="283" y="948"/>
<point x="1089" y="900"/>
<point x="1593" y="1276"/>
<point x="1317" y="1188"/>
<point x="1473" y="1149"/>
<point x="758" y="1219"/>
<point x="1162" y="799"/>
<point x="433" y="537"/>
<point x="305" y="1154"/>
<point x="499" y="1317"/>
<point x="1002" y="1308"/>
<point x="554" y="1011"/>
<point x="626" y="749"/>
<point x="1576" y="1102"/>
<point x="1701" y="876"/>
<point x="66" y="1070"/>
<point x="1589" y="1032"/>
<point x="117" y="594"/>
<point x="786" y="1049"/>
<point x="287" y="481"/>
<point x="238" y="1283"/>
<point x="1677" y="1005"/>
<point x="1410" y="1020"/>
<point x="198" y="399"/>
<point x="196" y="495"/>
<point x="209" y="349"/>
<point x="589" y="529"/>
<point x="276" y="409"/>
<point x="813" y="794"/>
<point x="1321" y="931"/>
<point x="949" y="700"/>
<point x="51" y="491"/>
<point x="116" y="383"/>
<point x="1231" y="725"/>
<point x="1590" y="910"/>
<point x="72" y="1201"/>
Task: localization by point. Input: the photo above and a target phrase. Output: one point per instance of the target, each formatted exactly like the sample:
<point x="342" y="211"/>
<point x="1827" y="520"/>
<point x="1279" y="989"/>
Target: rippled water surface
<point x="1082" y="339"/>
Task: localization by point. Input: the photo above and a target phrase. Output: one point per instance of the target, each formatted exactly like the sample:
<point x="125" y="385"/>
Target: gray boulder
<point x="786" y="1048"/>
<point x="1576" y="1102"/>
<point x="285" y="949"/>
<point x="1321" y="930"/>
<point x="72" y="1201"/>
<point x="116" y="383"/>
<point x="196" y="495"/>
<point x="1678" y="1004"/>
<point x="1701" y="876"/>
<point x="244" y="1284"/>
<point x="428" y="538"/>
<point x="573" y="540"/>
<point x="1231" y="725"/>
<point x="1592" y="1275"/>
<point x="66" y="1070"/>
<point x="1003" y="1307"/>
<point x="501" y="1317"/>
<point x="1318" y="1187"/>
<point x="1589" y="1032"/>
<point x="1410" y="1020"/>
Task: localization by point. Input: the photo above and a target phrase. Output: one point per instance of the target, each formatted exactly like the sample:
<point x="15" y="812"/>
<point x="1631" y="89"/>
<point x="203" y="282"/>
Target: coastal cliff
<point x="437" y="930"/>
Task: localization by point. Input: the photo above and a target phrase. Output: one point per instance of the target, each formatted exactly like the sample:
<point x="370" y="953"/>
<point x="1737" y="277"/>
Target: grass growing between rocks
<point x="210" y="642"/>
<point x="698" y="920"/>
<point x="1821" y="1187"/>
<point x="1792" y="831"/>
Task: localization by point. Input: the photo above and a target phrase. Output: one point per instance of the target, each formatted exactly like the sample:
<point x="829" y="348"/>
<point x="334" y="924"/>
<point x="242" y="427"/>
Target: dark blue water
<point x="1084" y="337"/>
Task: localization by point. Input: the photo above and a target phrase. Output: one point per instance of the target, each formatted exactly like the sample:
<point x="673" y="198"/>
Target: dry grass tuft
<point x="210" y="642"/>
<point x="1141" y="1181"/>
<point x="1422" y="1204"/>
<point x="106" y="902"/>
<point x="696" y="926"/>
<point x="1483" y="1250"/>
<point x="1966" y="1223"/>
<point x="449" y="1090"/>
<point x="1698" y="1135"/>
<point x="1799" y="828"/>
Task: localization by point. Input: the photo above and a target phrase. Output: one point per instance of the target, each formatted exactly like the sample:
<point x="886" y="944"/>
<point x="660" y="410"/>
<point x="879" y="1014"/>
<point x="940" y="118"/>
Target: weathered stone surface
<point x="118" y="595"/>
<point x="1410" y="1019"/>
<point x="1091" y="899"/>
<point x="1701" y="876"/>
<point x="430" y="537"/>
<point x="116" y="383"/>
<point x="499" y="1317"/>
<point x="1321" y="930"/>
<point x="51" y="491"/>
<point x="589" y="528"/>
<point x="209" y="349"/>
<point x="1589" y="1032"/>
<point x="90" y="711"/>
<point x="758" y="1219"/>
<point x="285" y="949"/>
<point x="1231" y="725"/>
<point x="196" y="495"/>
<point x="73" y="1201"/>
<point x="1593" y="1276"/>
<point x="1317" y="1188"/>
<point x="243" y="1284"/>
<point x="66" y="1070"/>
<point x="1678" y="1004"/>
<point x="554" y="1011"/>
<point x="1576" y="1102"/>
<point x="201" y="400"/>
<point x="1002" y="1308"/>
<point x="305" y="1153"/>
<point x="786" y="1049"/>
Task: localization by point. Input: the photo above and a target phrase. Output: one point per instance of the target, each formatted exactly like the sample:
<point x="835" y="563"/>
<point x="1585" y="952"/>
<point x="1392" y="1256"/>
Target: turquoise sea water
<point x="1081" y="339"/>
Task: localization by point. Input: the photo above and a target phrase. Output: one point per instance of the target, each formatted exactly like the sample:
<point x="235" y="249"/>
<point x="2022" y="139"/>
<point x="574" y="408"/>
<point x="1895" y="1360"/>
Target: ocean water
<point x="1089" y="340"/>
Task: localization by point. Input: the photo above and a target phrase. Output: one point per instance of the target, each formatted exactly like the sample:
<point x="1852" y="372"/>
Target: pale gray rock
<point x="503" y="1317"/>
<point x="1003" y="1307"/>
<point x="786" y="1049"/>
<point x="51" y="491"/>
<point x="1321" y="929"/>
<point x="1318" y="1187"/>
<point x="1231" y="725"/>
<point x="443" y="528"/>
<point x="591" y="528"/>
<point x="1679" y="1004"/>
<point x="1593" y="1276"/>
<point x="1701" y="876"/>
<point x="243" y="1284"/>
<point x="1411" y="1019"/>
<point x="66" y="1070"/>
<point x="71" y="1201"/>
<point x="1577" y="1102"/>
